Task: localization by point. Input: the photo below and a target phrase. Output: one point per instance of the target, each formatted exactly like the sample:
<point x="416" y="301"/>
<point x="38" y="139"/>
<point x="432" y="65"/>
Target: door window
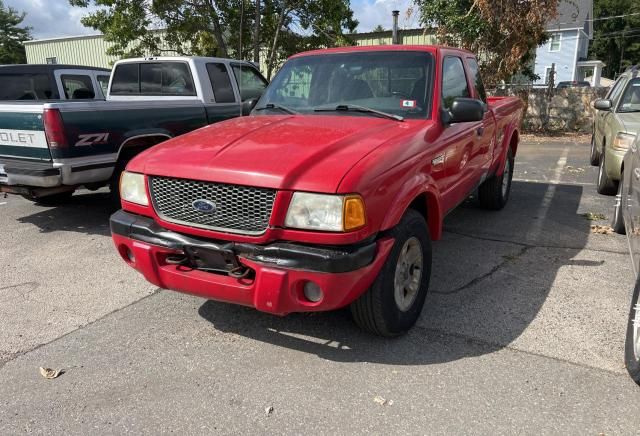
<point x="77" y="87"/>
<point x="221" y="83"/>
<point x="454" y="81"/>
<point x="617" y="90"/>
<point x="249" y="80"/>
<point x="476" y="79"/>
<point x="103" y="81"/>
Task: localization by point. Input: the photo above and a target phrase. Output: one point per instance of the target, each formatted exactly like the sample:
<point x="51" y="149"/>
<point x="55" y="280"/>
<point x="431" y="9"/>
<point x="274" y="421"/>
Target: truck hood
<point x="301" y="152"/>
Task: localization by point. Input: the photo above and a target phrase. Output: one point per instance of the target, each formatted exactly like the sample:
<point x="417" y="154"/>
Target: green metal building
<point x="92" y="50"/>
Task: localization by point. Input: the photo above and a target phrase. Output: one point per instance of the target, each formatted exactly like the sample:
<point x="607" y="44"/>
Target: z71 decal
<point x="92" y="139"/>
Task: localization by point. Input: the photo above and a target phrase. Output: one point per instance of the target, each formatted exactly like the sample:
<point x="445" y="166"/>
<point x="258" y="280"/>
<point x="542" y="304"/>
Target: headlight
<point x="623" y="141"/>
<point x="333" y="213"/>
<point x="132" y="188"/>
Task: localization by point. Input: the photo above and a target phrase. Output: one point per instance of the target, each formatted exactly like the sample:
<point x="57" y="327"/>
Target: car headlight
<point x="623" y="141"/>
<point x="332" y="213"/>
<point x="132" y="188"/>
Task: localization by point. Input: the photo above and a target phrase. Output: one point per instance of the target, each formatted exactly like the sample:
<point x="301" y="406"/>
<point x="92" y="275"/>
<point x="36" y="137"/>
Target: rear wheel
<point x="494" y="192"/>
<point x="606" y="186"/>
<point x="594" y="158"/>
<point x="617" y="222"/>
<point x="632" y="343"/>
<point x="392" y="305"/>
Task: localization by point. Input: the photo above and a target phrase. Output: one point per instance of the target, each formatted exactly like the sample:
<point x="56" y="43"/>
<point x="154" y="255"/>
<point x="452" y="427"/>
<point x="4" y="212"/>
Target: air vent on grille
<point x="228" y="208"/>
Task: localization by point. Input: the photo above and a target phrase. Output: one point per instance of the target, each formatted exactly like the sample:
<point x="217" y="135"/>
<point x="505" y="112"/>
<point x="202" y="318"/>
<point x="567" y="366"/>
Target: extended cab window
<point x="249" y="80"/>
<point x="397" y="83"/>
<point x="26" y="87"/>
<point x="77" y="87"/>
<point x="221" y="83"/>
<point x="476" y="79"/>
<point x="454" y="81"/>
<point x="158" y="78"/>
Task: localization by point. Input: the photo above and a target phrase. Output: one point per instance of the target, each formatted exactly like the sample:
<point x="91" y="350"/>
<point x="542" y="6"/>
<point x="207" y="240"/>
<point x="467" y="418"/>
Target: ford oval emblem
<point x="204" y="206"/>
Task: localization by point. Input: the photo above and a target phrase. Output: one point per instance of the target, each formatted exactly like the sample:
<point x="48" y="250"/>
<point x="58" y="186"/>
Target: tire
<point x="631" y="350"/>
<point x="617" y="222"/>
<point x="594" y="158"/>
<point x="606" y="186"/>
<point x="390" y="310"/>
<point x="52" y="200"/>
<point x="494" y="193"/>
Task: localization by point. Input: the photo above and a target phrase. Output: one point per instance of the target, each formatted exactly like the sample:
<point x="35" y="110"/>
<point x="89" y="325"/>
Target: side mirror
<point x="248" y="105"/>
<point x="602" y="104"/>
<point x="465" y="110"/>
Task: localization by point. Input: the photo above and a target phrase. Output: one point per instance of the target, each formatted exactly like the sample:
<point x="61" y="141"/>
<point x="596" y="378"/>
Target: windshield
<point x="394" y="82"/>
<point x="630" y="101"/>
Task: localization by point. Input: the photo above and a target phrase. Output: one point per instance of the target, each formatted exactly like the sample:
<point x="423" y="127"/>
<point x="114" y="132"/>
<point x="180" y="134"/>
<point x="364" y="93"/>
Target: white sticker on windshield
<point x="409" y="103"/>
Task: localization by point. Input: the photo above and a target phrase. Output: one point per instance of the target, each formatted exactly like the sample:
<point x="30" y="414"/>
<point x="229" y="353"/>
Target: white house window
<point x="52" y="60"/>
<point x="554" y="42"/>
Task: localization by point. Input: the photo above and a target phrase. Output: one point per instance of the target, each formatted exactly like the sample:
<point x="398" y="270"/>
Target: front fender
<point x="421" y="192"/>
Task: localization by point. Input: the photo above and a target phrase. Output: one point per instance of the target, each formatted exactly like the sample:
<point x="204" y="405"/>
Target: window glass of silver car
<point x="630" y="100"/>
<point x="161" y="79"/>
<point x="398" y="84"/>
<point x="250" y="82"/>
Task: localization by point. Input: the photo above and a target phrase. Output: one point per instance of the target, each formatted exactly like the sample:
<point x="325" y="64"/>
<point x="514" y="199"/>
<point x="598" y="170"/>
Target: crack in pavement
<point x="481" y="277"/>
<point x="499" y="346"/>
<point x="532" y="245"/>
<point x="14" y="356"/>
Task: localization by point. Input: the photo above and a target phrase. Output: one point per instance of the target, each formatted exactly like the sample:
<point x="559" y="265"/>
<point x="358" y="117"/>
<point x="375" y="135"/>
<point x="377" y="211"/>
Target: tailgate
<point x="22" y="132"/>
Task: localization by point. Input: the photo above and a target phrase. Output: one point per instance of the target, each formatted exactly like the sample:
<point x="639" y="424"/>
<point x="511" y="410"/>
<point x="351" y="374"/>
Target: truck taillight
<point x="54" y="128"/>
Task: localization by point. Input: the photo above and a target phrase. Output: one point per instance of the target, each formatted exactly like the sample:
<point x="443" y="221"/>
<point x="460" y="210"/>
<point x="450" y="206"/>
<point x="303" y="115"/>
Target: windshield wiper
<point x="356" y="108"/>
<point x="278" y="107"/>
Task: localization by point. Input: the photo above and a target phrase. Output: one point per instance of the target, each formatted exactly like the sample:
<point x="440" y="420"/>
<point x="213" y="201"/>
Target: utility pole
<point x="241" y="26"/>
<point x="256" y="35"/>
<point x="621" y="50"/>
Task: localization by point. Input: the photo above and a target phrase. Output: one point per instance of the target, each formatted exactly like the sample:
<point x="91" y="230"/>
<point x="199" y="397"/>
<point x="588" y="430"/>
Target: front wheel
<point x="494" y="192"/>
<point x="632" y="343"/>
<point x="617" y="222"/>
<point x="392" y="305"/>
<point x="606" y="186"/>
<point x="594" y="157"/>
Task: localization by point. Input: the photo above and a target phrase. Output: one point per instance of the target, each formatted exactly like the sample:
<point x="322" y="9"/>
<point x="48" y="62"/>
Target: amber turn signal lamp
<point x="354" y="215"/>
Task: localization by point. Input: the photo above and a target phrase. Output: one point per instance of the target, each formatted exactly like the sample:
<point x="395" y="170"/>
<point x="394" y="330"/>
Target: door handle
<point x="480" y="131"/>
<point x="636" y="173"/>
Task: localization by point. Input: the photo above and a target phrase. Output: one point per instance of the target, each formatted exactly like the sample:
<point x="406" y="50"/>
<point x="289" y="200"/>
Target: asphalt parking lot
<point x="522" y="332"/>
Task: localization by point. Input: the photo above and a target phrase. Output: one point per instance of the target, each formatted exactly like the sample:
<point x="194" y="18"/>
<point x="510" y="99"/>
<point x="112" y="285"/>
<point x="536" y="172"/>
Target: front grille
<point x="238" y="209"/>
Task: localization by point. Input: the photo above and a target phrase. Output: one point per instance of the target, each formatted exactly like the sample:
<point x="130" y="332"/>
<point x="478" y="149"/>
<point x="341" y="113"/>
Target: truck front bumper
<point x="270" y="278"/>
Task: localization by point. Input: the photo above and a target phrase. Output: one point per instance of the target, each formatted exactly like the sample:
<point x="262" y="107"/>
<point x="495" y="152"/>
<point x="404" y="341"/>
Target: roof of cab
<point x="182" y="59"/>
<point x="379" y="48"/>
<point x="46" y="68"/>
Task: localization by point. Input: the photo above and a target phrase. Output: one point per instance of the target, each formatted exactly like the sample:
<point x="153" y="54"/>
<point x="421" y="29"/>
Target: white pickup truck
<point x="49" y="149"/>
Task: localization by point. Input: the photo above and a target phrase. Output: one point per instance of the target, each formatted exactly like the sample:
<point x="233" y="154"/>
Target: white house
<point x="567" y="47"/>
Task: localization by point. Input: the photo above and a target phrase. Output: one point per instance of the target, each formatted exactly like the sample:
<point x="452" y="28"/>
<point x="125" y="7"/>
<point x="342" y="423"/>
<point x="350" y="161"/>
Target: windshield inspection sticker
<point x="410" y="104"/>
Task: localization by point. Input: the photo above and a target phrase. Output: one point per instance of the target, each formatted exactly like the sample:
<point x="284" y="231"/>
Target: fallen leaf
<point x="601" y="230"/>
<point x="268" y="410"/>
<point x="49" y="373"/>
<point x="383" y="402"/>
<point x="594" y="216"/>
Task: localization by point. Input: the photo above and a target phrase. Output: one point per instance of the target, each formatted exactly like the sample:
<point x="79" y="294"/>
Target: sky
<point x="55" y="18"/>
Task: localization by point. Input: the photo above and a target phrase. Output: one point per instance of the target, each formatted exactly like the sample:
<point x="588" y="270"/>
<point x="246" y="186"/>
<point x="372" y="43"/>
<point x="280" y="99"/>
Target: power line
<point x="611" y="17"/>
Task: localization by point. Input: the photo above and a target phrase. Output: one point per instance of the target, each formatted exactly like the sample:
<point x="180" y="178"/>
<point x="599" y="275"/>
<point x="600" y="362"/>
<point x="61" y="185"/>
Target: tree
<point x="12" y="36"/>
<point x="616" y="41"/>
<point x="379" y="28"/>
<point x="504" y="34"/>
<point x="220" y="27"/>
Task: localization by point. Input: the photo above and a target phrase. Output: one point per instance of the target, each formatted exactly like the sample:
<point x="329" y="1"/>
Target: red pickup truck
<point x="330" y="193"/>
